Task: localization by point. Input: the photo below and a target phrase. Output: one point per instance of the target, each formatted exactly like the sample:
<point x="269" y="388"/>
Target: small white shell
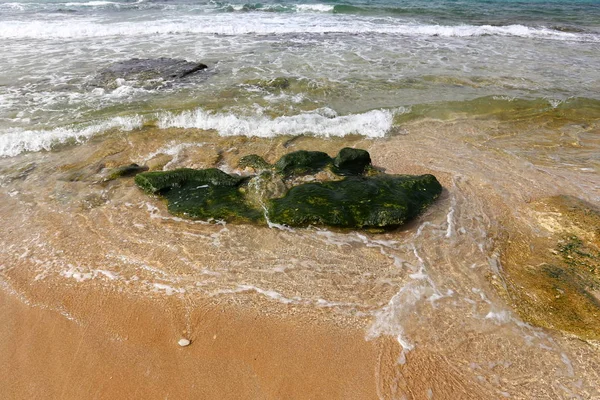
<point x="184" y="342"/>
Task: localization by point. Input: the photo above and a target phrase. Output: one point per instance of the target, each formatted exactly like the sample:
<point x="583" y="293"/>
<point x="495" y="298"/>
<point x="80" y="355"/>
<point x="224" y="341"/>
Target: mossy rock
<point x="200" y="194"/>
<point x="255" y="162"/>
<point x="356" y="202"/>
<point x="302" y="162"/>
<point x="125" y="171"/>
<point x="351" y="161"/>
<point x="158" y="181"/>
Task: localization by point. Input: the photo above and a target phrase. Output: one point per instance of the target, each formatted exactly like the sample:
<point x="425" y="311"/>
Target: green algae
<point x="302" y="162"/>
<point x="255" y="162"/>
<point x="363" y="202"/>
<point x="351" y="161"/>
<point x="159" y="181"/>
<point x="354" y="200"/>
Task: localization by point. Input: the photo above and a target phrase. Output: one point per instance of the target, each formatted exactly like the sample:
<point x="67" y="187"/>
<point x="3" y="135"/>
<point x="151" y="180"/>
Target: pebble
<point x="184" y="342"/>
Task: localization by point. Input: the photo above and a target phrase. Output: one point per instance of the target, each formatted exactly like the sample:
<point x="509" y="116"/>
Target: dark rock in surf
<point x="353" y="195"/>
<point x="351" y="161"/>
<point x="302" y="162"/>
<point x="356" y="202"/>
<point x="147" y="73"/>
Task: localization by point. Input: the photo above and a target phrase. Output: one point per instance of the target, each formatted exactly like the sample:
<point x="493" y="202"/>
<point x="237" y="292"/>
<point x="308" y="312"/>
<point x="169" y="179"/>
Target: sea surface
<point x="356" y="67"/>
<point x="499" y="99"/>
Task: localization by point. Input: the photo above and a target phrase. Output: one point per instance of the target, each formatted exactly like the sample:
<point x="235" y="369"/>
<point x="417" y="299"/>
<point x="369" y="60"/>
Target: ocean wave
<point x="265" y="26"/>
<point x="16" y="141"/>
<point x="92" y="4"/>
<point x="325" y="122"/>
<point x="375" y="123"/>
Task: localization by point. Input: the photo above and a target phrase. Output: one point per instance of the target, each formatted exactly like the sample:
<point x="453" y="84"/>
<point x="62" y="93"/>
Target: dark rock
<point x="351" y="161"/>
<point x="159" y="181"/>
<point x="356" y="202"/>
<point x="302" y="162"/>
<point x="125" y="171"/>
<point x="370" y="202"/>
<point x="152" y="72"/>
<point x="200" y="194"/>
<point x="255" y="162"/>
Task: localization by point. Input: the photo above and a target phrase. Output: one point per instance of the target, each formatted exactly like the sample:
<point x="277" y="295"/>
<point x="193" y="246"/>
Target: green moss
<point x="158" y="181"/>
<point x="254" y="161"/>
<point x="370" y="202"/>
<point x="351" y="161"/>
<point x="361" y="202"/>
<point x="200" y="194"/>
<point x="302" y="162"/>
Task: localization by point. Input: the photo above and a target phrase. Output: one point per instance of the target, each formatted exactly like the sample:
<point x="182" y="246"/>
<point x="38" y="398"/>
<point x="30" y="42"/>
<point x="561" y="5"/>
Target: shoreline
<point x="290" y="308"/>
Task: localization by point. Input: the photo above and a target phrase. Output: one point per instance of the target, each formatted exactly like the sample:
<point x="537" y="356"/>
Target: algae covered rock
<point x="361" y="202"/>
<point x="158" y="181"/>
<point x="351" y="161"/>
<point x="302" y="162"/>
<point x="254" y="161"/>
<point x="553" y="279"/>
<point x="200" y="194"/>
<point x="339" y="194"/>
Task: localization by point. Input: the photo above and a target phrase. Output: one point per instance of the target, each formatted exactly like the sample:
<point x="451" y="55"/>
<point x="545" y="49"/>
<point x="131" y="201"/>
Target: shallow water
<point x="430" y="284"/>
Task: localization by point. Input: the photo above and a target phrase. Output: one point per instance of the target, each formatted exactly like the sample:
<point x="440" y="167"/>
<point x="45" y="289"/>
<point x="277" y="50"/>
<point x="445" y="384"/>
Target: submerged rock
<point x="151" y="72"/>
<point x="278" y="83"/>
<point x="553" y="279"/>
<point x="125" y="171"/>
<point x="255" y="162"/>
<point x="353" y="201"/>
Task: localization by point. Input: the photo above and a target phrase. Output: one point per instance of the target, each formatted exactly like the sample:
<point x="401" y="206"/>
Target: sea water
<point x="354" y="66"/>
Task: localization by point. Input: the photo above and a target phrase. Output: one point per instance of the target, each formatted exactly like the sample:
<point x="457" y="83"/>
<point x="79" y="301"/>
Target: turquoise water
<point x="353" y="67"/>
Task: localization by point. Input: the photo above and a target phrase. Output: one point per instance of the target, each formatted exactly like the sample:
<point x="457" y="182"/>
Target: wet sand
<point x="111" y="345"/>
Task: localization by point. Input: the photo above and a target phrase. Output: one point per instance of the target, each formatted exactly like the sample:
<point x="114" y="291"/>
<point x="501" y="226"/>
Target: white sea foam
<point x="375" y="123"/>
<point x="270" y="24"/>
<point x="18" y="140"/>
<point x="92" y="4"/>
<point x="314" y="7"/>
<point x="372" y="124"/>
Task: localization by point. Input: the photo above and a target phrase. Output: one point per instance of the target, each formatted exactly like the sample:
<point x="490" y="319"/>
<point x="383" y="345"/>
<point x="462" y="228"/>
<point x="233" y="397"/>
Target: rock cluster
<point x="302" y="188"/>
